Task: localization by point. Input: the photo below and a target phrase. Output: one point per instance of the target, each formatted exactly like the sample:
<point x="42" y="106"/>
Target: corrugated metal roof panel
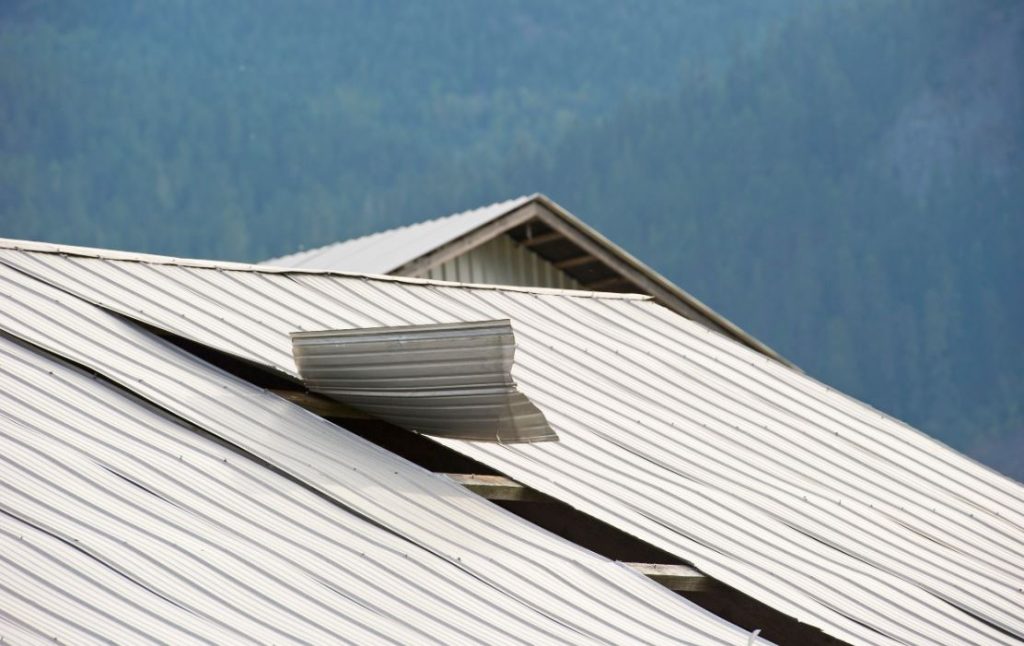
<point x="122" y="524"/>
<point x="381" y="253"/>
<point x="520" y="583"/>
<point x="763" y="478"/>
<point x="449" y="380"/>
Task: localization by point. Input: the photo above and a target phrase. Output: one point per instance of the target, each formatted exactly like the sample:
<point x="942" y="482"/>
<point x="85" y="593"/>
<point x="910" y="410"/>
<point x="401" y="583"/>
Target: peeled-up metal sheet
<point x="443" y="565"/>
<point x="448" y="380"/>
<point x="808" y="501"/>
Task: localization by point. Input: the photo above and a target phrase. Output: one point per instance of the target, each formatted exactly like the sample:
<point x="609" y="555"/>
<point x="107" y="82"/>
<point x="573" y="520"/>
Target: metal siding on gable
<point x="499" y="261"/>
<point x="502" y="261"/>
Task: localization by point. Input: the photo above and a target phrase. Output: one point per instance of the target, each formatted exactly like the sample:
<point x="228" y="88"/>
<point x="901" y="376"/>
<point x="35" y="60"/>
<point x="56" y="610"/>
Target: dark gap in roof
<point x="750" y="614"/>
<point x="253" y="373"/>
<point x="589" y="532"/>
<point x="414" y="447"/>
<point x="557" y="517"/>
<point x="411" y="446"/>
<point x="722" y="600"/>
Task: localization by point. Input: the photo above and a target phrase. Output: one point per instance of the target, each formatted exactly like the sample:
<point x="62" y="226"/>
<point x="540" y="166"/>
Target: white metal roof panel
<point x="121" y="524"/>
<point x="537" y="587"/>
<point x="381" y="253"/>
<point x="763" y="478"/>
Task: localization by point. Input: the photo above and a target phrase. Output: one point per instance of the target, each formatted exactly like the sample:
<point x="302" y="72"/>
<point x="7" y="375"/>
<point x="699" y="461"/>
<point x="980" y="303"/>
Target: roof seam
<point x="75" y="545"/>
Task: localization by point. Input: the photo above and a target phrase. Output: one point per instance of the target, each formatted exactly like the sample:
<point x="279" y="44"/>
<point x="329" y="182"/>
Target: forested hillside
<point x="845" y="180"/>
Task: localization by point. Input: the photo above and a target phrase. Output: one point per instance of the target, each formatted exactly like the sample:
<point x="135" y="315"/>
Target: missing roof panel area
<point x="450" y="380"/>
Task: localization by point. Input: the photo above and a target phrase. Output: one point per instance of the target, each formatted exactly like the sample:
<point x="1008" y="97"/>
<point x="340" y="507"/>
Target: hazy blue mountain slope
<point x="854" y="196"/>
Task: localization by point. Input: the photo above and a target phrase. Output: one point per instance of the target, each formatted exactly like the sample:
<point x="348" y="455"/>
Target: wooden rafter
<point x="576" y="261"/>
<point x="682" y="578"/>
<point x="544" y="238"/>
<point x="497" y="487"/>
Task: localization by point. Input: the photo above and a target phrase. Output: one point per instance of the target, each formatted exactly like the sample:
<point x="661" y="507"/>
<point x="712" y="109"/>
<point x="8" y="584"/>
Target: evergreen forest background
<point x="843" y="179"/>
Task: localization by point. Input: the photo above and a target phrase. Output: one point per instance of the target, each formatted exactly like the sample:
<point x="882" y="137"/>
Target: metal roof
<point x="384" y="252"/>
<point x="448" y="380"/>
<point x="155" y="531"/>
<point x="763" y="478"/>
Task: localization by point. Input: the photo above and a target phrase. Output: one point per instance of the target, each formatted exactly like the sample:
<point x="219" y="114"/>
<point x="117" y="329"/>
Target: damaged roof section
<point x="451" y="380"/>
<point x="390" y="549"/>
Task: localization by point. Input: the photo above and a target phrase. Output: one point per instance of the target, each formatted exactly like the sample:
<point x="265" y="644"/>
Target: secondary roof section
<point x="530" y="240"/>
